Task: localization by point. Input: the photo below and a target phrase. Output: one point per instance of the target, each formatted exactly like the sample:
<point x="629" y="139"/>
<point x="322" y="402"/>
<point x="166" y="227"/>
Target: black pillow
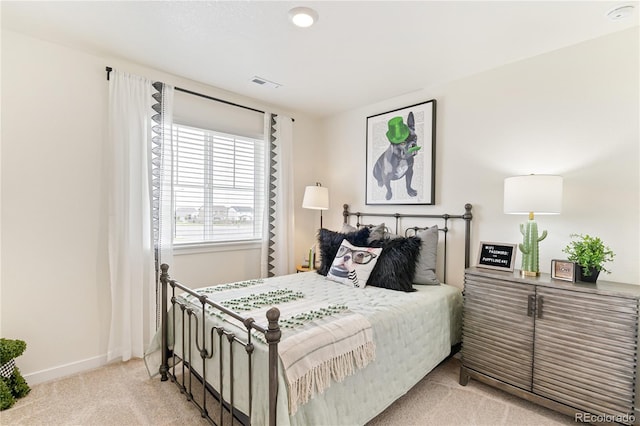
<point x="396" y="265"/>
<point x="329" y="242"/>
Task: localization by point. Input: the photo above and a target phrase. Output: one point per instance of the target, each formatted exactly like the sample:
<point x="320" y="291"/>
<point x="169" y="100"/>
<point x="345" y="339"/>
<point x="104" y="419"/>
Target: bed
<point x="307" y="348"/>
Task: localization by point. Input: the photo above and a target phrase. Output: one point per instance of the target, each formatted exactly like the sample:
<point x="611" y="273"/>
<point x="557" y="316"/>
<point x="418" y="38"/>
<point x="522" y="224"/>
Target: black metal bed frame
<point x="193" y="319"/>
<point x="467" y="216"/>
<point x="272" y="335"/>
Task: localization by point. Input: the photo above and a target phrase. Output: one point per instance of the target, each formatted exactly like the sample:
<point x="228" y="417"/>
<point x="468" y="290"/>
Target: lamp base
<point x="529" y="273"/>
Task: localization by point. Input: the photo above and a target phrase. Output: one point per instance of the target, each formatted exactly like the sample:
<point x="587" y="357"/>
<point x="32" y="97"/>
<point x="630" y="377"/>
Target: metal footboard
<point x="194" y="331"/>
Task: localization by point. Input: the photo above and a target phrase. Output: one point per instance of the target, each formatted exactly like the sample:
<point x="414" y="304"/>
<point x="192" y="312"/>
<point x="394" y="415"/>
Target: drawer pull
<point x="531" y="304"/>
<point x="539" y="307"/>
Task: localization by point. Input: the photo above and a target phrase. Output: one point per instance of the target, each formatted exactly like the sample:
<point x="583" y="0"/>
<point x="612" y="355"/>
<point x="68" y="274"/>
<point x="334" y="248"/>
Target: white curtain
<point x="131" y="257"/>
<point x="277" y="247"/>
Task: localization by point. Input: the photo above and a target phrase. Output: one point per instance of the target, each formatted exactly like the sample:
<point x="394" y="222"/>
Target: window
<point x="219" y="188"/>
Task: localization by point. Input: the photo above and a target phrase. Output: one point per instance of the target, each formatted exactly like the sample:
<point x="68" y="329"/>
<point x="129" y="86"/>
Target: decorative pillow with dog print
<point x="353" y="265"/>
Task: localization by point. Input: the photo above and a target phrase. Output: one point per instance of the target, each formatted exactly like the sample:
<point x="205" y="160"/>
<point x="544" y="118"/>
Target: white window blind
<point x="219" y="190"/>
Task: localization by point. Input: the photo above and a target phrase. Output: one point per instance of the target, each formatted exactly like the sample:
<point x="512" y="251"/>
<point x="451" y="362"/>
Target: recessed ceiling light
<point x="620" y="12"/>
<point x="303" y="16"/>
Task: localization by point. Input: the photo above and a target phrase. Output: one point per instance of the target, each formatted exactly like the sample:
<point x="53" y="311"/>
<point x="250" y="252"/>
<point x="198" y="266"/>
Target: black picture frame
<point x="392" y="160"/>
<point x="499" y="256"/>
<point x="564" y="270"/>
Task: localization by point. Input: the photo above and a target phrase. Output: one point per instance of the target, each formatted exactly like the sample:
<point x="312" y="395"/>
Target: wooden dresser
<point x="571" y="347"/>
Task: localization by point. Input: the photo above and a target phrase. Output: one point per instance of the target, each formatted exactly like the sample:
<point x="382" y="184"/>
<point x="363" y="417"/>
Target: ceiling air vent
<point x="619" y="13"/>
<point x="264" y="82"/>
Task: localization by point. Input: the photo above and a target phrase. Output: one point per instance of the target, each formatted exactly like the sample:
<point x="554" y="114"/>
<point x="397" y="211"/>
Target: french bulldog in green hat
<point x="396" y="161"/>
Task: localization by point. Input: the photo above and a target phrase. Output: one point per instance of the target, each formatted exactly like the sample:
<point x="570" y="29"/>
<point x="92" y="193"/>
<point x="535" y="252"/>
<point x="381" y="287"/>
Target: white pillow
<point x="353" y="265"/>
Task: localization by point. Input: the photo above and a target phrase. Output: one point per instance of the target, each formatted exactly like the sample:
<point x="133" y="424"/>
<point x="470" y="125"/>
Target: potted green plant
<point x="590" y="254"/>
<point x="12" y="384"/>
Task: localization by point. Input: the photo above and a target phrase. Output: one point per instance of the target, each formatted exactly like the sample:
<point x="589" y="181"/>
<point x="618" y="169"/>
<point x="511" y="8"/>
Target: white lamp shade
<point x="316" y="197"/>
<point x="540" y="194"/>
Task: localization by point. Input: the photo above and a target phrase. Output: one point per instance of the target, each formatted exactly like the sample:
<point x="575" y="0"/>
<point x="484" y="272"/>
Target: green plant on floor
<point x="589" y="253"/>
<point x="12" y="385"/>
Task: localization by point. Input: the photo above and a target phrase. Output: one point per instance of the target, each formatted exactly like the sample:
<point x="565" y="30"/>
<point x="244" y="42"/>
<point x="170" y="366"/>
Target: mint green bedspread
<point x="412" y="332"/>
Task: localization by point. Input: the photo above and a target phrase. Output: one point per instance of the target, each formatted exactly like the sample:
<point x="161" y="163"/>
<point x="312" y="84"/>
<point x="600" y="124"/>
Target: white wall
<point x="55" y="291"/>
<point x="572" y="112"/>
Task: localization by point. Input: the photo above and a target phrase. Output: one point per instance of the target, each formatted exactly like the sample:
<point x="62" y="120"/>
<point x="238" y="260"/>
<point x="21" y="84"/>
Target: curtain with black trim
<point x="162" y="183"/>
<point x="132" y="161"/>
<point x="277" y="247"/>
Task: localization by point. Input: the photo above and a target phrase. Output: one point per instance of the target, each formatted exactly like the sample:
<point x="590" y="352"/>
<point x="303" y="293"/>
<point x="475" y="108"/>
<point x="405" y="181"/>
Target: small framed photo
<point x="498" y="256"/>
<point x="563" y="270"/>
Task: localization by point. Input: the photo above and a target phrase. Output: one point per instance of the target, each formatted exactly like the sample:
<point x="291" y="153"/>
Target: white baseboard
<point x="65" y="370"/>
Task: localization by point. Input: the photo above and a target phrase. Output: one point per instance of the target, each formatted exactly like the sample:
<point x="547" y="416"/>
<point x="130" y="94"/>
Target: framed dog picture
<point x="401" y="154"/>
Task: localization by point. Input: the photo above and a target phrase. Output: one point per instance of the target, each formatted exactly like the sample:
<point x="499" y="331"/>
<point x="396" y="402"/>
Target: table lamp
<point x="316" y="198"/>
<point x="532" y="194"/>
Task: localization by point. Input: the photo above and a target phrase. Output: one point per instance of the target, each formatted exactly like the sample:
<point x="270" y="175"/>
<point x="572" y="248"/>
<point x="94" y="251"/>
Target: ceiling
<point x="358" y="53"/>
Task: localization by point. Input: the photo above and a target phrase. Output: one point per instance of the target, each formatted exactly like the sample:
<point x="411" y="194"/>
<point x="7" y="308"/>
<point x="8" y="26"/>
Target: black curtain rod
<point x="179" y="89"/>
<point x="109" y="69"/>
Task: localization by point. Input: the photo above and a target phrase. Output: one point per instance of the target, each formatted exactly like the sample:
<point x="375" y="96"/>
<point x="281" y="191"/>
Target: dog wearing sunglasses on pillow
<point x="342" y="267"/>
<point x="397" y="161"/>
<point x="344" y="264"/>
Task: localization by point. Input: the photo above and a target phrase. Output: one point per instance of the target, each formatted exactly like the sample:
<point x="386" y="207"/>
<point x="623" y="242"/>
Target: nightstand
<point x="571" y="347"/>
<point x="300" y="268"/>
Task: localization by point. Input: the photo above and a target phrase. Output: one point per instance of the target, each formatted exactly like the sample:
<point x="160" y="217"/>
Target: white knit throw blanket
<point x="313" y="353"/>
<point x="334" y="349"/>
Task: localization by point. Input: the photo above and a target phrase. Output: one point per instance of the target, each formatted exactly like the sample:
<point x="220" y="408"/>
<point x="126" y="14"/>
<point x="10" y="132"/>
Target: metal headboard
<point x="467" y="216"/>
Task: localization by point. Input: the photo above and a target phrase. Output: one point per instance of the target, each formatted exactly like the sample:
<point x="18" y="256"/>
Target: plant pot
<point x="587" y="279"/>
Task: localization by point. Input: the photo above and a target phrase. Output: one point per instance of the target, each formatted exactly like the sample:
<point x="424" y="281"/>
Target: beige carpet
<point x="123" y="394"/>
